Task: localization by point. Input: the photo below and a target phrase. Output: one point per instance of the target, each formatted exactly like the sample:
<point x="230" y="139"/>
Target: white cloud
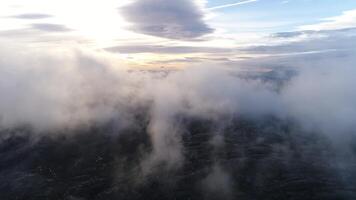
<point x="55" y="90"/>
<point x="346" y="20"/>
<point x="232" y="4"/>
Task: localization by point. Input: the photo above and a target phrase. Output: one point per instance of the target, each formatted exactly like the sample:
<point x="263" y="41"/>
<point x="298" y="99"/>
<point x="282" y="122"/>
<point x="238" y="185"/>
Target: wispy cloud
<point x="32" y="16"/>
<point x="166" y="49"/>
<point x="346" y="20"/>
<point x="308" y="42"/>
<point x="285" y="2"/>
<point x="51" y="27"/>
<point x="232" y="4"/>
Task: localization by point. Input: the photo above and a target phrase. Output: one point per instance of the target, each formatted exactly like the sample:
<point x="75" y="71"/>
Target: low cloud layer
<point x="51" y="92"/>
<point x="181" y="19"/>
<point x="50" y="27"/>
<point x="308" y="42"/>
<point x="30" y="16"/>
<point x="55" y="93"/>
<point x="166" y="49"/>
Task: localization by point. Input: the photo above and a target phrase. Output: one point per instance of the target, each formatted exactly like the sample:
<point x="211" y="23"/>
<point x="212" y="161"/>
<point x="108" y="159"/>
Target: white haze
<point x="61" y="90"/>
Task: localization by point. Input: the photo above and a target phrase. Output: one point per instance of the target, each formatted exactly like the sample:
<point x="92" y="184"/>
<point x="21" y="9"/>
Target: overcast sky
<point x="147" y="32"/>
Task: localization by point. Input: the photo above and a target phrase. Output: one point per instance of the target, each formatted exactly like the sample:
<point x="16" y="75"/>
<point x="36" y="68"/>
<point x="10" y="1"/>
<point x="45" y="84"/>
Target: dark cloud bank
<point x="179" y="19"/>
<point x="74" y="127"/>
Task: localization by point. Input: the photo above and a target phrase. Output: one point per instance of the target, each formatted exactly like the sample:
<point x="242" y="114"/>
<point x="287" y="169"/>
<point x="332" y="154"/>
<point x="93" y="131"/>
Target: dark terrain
<point x="264" y="159"/>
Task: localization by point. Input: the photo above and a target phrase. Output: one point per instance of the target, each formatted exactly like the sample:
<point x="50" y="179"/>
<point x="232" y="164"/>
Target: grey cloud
<point x="292" y="34"/>
<point x="166" y="49"/>
<point x="327" y="87"/>
<point x="287" y="34"/>
<point x="32" y="16"/>
<point x="314" y="41"/>
<point x="218" y="184"/>
<point x="50" y="27"/>
<point x="192" y="60"/>
<point x="179" y="19"/>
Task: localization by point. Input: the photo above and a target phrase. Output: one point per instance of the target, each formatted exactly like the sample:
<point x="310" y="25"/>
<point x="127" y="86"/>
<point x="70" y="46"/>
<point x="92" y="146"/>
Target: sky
<point x="164" y="33"/>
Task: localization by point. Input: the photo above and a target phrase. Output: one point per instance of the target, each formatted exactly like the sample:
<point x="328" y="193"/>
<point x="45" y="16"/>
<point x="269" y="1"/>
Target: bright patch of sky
<point x="161" y="30"/>
<point x="276" y="15"/>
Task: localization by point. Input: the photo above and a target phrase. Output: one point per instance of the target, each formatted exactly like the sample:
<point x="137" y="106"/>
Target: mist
<point x="204" y="128"/>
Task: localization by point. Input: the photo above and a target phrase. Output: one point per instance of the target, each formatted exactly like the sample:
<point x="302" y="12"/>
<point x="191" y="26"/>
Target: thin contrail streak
<point x="232" y="4"/>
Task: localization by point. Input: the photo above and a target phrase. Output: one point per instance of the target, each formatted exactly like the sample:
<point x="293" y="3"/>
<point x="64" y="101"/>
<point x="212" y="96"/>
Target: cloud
<point x="38" y="90"/>
<point x="51" y="90"/>
<point x="309" y="41"/>
<point x="55" y="91"/>
<point x="32" y="16"/>
<point x="288" y="34"/>
<point x="166" y="49"/>
<point x="324" y="61"/>
<point x="191" y="60"/>
<point x="233" y="4"/>
<point x="285" y="2"/>
<point x="180" y="19"/>
<point x="218" y="184"/>
<point x="50" y="27"/>
<point x="326" y="86"/>
<point x="346" y="20"/>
